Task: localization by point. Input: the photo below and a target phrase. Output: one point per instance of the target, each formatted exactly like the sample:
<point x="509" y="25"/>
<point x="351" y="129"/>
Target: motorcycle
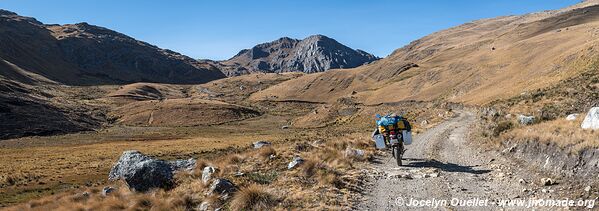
<point x="397" y="147"/>
<point x="391" y="140"/>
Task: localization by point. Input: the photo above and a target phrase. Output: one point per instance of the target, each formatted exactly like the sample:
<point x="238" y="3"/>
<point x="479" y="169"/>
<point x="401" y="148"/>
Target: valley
<point x="496" y="106"/>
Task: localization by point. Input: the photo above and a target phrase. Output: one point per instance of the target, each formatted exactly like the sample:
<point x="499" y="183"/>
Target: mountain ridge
<point x="315" y="53"/>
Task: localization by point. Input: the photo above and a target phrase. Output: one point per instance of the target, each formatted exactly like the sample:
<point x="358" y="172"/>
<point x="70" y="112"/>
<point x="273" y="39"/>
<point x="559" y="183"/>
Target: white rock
<point x="295" y="162"/>
<point x="591" y="121"/>
<point x="526" y="120"/>
<point x="587" y="189"/>
<point x="207" y="173"/>
<point x="522" y="181"/>
<point x="572" y="117"/>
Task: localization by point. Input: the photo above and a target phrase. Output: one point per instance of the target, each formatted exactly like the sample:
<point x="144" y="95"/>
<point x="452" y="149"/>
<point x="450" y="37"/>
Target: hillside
<point x="465" y="64"/>
<point x="315" y="53"/>
<point x="84" y="54"/>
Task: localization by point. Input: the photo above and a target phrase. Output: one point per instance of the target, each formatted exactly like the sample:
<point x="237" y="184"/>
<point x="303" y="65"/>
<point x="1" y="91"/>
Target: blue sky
<point x="219" y="29"/>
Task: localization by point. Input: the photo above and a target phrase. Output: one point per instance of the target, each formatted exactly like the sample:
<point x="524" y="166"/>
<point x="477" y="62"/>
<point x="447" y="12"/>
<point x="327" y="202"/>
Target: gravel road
<point x="443" y="167"/>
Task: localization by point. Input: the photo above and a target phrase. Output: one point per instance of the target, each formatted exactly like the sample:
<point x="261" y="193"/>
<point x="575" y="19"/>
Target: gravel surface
<point x="440" y="165"/>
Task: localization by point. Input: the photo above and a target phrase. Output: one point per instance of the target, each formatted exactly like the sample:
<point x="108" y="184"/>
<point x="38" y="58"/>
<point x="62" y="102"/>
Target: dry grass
<point x="45" y="170"/>
<point x="329" y="179"/>
<point x="253" y="197"/>
<point x="566" y="134"/>
<point x="325" y="165"/>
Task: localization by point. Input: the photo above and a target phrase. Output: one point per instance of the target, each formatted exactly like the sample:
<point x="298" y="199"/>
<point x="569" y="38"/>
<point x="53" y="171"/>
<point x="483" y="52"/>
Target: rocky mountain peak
<point x="315" y="53"/>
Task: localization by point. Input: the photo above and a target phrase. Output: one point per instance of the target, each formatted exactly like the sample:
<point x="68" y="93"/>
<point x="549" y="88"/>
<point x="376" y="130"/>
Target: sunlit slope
<point x="474" y="63"/>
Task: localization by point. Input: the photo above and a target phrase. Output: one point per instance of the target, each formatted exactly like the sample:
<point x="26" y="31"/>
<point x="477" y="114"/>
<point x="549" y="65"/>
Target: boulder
<point x="354" y="153"/>
<point x="591" y="121"/>
<point x="572" y="117"/>
<point x="526" y="120"/>
<point x="260" y="144"/>
<point x="295" y="162"/>
<point x="143" y="173"/>
<point x="207" y="174"/>
<point x="222" y="187"/>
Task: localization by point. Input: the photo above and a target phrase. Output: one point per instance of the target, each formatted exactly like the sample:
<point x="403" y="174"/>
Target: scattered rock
<point x="522" y="181"/>
<point x="547" y="181"/>
<point x="260" y="144"/>
<point x="186" y="165"/>
<point x="492" y="159"/>
<point x="142" y="173"/>
<point x="508" y="116"/>
<point x="587" y="189"/>
<point x="107" y="190"/>
<point x="572" y="117"/>
<point x="500" y="175"/>
<point x="285" y="127"/>
<point x="525" y="190"/>
<point x="204" y="206"/>
<point x="511" y="149"/>
<point x="526" y="120"/>
<point x="271" y="157"/>
<point x="223" y="187"/>
<point x="424" y="122"/>
<point x="207" y="173"/>
<point x="295" y="162"/>
<point x="591" y="121"/>
<point x="354" y="153"/>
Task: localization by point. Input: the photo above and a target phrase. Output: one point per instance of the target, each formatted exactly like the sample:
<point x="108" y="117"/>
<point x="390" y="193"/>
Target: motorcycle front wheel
<point x="398" y="153"/>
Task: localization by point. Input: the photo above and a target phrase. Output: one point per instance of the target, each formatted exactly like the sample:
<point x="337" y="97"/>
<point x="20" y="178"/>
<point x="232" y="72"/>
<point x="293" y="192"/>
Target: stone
<point x="522" y="181"/>
<point x="107" y="190"/>
<point x="353" y="153"/>
<point x="222" y="187"/>
<point x="207" y="174"/>
<point x="143" y="173"/>
<point x="587" y="189"/>
<point x="591" y="121"/>
<point x="285" y="127"/>
<point x="547" y="181"/>
<point x="572" y="117"/>
<point x="526" y="120"/>
<point x="295" y="162"/>
<point x="204" y="206"/>
<point x="260" y="144"/>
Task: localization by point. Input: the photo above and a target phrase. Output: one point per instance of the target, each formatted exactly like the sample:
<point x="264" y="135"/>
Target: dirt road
<point x="443" y="167"/>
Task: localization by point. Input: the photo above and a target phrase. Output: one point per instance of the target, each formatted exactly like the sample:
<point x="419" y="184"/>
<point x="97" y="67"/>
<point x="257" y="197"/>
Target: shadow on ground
<point x="447" y="167"/>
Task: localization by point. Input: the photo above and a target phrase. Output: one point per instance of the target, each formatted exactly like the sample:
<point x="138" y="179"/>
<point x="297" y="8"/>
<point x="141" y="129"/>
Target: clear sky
<point x="218" y="29"/>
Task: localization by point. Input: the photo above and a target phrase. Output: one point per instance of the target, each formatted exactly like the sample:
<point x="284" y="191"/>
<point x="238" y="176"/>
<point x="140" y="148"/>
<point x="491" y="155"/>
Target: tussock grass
<point x="253" y="197"/>
<point x="266" y="183"/>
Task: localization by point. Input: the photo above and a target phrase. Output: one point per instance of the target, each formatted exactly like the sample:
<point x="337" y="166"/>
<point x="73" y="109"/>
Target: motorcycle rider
<point x="398" y="123"/>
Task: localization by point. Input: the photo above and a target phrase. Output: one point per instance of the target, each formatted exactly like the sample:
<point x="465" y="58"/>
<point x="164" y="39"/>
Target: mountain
<point x="315" y="53"/>
<point x="474" y="63"/>
<point x="84" y="54"/>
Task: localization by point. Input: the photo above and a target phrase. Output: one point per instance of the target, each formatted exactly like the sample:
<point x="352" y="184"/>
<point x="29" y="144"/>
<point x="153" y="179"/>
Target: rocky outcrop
<point x="582" y="164"/>
<point x="316" y="53"/>
<point x="143" y="173"/>
<point x="84" y="54"/>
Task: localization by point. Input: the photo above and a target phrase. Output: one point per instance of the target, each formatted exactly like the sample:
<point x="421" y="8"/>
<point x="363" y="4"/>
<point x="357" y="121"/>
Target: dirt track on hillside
<point x="442" y="164"/>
